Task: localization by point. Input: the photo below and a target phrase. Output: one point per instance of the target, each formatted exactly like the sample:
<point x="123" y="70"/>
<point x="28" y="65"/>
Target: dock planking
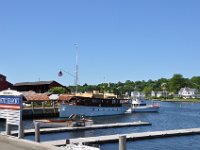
<point x="94" y="126"/>
<point x="131" y="136"/>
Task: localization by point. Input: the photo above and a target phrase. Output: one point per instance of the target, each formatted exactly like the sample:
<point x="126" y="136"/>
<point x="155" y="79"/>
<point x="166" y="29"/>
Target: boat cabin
<point x="88" y="101"/>
<point x="95" y="102"/>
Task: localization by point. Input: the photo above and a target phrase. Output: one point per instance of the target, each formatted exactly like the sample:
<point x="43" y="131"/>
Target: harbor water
<point x="172" y="115"/>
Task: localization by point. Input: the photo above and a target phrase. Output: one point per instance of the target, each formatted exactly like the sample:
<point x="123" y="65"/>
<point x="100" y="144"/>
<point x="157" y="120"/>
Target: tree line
<point x="172" y="85"/>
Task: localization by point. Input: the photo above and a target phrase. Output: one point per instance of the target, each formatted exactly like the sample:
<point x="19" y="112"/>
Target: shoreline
<point x="177" y="100"/>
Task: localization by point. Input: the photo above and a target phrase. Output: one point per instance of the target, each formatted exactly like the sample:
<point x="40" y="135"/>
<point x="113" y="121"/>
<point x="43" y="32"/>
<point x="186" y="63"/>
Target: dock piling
<point x="122" y="142"/>
<point x="21" y="130"/>
<point x="37" y="132"/>
<point x="67" y="141"/>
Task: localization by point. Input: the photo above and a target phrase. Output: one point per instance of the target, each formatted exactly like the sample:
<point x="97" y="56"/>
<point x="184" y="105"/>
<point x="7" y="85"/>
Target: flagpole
<point x="76" y="71"/>
<point x="77" y="68"/>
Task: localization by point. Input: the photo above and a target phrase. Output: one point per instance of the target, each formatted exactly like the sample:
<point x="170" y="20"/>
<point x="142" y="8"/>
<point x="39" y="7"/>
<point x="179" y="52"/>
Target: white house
<point x="153" y="94"/>
<point x="137" y="94"/>
<point x="159" y="94"/>
<point x="188" y="92"/>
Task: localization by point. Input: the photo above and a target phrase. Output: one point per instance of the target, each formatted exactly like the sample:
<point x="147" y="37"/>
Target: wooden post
<point x="54" y="108"/>
<point x="21" y="126"/>
<point x="21" y="130"/>
<point x="37" y="132"/>
<point x="32" y="104"/>
<point x="122" y="142"/>
<point x="67" y="141"/>
<point x="43" y="108"/>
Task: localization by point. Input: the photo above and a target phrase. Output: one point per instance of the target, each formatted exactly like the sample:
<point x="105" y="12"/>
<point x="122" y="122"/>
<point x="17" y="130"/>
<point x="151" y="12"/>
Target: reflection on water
<point x="172" y="143"/>
<point x="171" y="116"/>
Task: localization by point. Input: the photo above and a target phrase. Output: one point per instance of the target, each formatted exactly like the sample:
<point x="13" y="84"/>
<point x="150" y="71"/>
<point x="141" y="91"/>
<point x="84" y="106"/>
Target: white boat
<point x="93" y="107"/>
<point x="141" y="106"/>
<point x="79" y="147"/>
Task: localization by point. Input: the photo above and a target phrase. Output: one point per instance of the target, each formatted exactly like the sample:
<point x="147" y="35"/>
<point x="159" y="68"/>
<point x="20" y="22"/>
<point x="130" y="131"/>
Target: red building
<point x="38" y="87"/>
<point x="4" y="84"/>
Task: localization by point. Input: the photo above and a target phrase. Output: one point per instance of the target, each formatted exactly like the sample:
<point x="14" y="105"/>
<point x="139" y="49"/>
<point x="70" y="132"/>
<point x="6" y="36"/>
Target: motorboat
<point x="93" y="107"/>
<point x="79" y="146"/>
<point x="139" y="105"/>
<point x="72" y="121"/>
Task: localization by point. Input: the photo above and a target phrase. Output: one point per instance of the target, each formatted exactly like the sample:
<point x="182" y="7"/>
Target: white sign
<point x="11" y="109"/>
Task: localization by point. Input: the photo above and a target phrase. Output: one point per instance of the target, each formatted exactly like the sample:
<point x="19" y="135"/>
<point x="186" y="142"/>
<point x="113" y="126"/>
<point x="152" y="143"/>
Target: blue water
<point x="171" y="116"/>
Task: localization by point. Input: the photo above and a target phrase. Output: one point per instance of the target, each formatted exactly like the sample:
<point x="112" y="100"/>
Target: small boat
<point x="141" y="106"/>
<point x="49" y="123"/>
<point x="72" y="121"/>
<point x="79" y="147"/>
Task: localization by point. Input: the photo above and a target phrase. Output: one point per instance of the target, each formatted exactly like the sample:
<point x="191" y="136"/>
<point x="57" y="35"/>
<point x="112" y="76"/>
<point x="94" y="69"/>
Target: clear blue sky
<point x="118" y="40"/>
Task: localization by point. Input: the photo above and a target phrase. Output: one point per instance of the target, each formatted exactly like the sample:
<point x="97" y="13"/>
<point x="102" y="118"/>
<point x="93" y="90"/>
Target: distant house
<point x="137" y="94"/>
<point x="97" y="94"/>
<point x="38" y="87"/>
<point x="188" y="92"/>
<point x="159" y="94"/>
<point x="153" y="94"/>
<point x="4" y="84"/>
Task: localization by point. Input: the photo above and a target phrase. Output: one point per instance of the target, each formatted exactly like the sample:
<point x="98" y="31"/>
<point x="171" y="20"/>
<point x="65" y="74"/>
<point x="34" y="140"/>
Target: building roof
<point x="65" y="97"/>
<point x="27" y="93"/>
<point x="2" y="75"/>
<point x="34" y="83"/>
<point x="187" y="89"/>
<point x="86" y="94"/>
<point x="37" y="97"/>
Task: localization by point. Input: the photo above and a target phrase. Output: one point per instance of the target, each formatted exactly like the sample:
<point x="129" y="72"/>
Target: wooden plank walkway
<point x="131" y="136"/>
<point x="94" y="126"/>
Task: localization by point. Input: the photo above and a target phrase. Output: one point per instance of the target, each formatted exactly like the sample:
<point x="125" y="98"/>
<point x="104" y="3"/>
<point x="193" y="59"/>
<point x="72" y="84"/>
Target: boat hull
<point x="54" y="124"/>
<point x="80" y="147"/>
<point x="147" y="108"/>
<point x="67" y="110"/>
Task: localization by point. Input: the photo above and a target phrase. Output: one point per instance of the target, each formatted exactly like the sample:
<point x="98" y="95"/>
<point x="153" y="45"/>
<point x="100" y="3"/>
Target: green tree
<point x="59" y="90"/>
<point x="147" y="90"/>
<point x="177" y="82"/>
<point x="195" y="82"/>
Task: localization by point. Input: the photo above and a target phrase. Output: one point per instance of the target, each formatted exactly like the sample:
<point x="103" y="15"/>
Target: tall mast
<point x="76" y="71"/>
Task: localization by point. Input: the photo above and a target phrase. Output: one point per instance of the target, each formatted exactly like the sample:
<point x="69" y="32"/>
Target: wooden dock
<point x="131" y="136"/>
<point x="13" y="143"/>
<point x="94" y="126"/>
